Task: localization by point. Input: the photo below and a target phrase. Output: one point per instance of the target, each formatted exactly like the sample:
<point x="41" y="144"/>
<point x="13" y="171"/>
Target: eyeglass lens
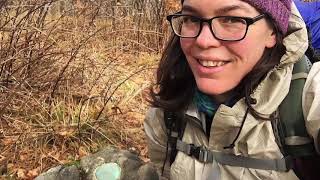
<point x="225" y="28"/>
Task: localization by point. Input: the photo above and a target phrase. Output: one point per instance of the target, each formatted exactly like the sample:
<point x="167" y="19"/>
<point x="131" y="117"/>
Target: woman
<point x="227" y="68"/>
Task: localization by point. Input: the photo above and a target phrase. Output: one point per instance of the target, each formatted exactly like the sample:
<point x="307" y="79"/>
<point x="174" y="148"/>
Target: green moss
<point x="75" y="163"/>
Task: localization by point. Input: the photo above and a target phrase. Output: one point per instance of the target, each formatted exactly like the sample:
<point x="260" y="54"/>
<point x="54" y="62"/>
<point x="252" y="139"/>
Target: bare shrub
<point x="66" y="72"/>
<point x="72" y="77"/>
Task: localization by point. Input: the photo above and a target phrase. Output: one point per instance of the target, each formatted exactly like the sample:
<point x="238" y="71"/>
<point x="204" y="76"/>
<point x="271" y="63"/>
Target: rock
<point x="147" y="172"/>
<point x="61" y="173"/>
<point x="51" y="174"/>
<point x="129" y="164"/>
<point x="109" y="163"/>
<point x="69" y="173"/>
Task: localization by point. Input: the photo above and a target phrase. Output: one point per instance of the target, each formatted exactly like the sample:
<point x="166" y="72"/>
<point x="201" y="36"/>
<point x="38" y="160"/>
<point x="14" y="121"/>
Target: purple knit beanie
<point x="279" y="10"/>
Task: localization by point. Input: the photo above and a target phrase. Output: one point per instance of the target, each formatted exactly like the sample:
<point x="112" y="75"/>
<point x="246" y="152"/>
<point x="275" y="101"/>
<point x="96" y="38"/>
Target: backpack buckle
<point x="200" y="152"/>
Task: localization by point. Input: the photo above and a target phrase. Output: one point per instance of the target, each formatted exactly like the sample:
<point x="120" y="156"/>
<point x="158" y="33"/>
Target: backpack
<point x="290" y="132"/>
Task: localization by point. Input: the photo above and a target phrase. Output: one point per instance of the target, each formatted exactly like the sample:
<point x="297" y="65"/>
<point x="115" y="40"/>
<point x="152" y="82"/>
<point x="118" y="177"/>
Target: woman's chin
<point x="211" y="88"/>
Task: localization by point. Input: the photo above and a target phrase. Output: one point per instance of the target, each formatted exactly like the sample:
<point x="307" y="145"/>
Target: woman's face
<point x="219" y="66"/>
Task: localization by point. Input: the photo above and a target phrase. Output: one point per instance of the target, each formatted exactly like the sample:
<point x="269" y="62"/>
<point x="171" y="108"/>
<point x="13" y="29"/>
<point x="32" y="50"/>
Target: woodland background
<point x="74" y="76"/>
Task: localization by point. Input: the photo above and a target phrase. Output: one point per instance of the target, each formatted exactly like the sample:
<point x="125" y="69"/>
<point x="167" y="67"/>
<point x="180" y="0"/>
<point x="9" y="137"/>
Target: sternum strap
<point x="206" y="156"/>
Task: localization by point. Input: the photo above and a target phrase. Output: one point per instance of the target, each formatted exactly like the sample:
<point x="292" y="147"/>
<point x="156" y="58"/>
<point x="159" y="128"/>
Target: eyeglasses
<point x="224" y="28"/>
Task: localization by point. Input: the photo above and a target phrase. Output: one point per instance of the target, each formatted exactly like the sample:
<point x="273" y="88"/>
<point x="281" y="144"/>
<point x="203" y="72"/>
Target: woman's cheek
<point x="186" y="45"/>
<point x="247" y="52"/>
<point x="239" y="48"/>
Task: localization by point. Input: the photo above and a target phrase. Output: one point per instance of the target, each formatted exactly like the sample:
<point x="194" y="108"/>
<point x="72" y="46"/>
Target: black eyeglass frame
<point x="249" y="21"/>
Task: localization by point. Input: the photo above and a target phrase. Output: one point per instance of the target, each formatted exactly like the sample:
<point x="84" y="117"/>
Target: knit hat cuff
<point x="279" y="11"/>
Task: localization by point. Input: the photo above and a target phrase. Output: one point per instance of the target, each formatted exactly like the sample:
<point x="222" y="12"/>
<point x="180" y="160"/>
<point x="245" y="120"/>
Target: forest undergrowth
<point x="74" y="77"/>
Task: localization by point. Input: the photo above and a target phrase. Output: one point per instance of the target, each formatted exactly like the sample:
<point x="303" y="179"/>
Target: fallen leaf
<point x="33" y="173"/>
<point x="23" y="157"/>
<point x="66" y="132"/>
<point x="2" y="158"/>
<point x="21" y="173"/>
<point x="82" y="152"/>
<point x="8" y="141"/>
<point x="10" y="167"/>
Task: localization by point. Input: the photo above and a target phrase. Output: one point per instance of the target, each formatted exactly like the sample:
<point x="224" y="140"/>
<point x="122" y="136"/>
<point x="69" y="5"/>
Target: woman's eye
<point x="190" y="19"/>
<point x="232" y="20"/>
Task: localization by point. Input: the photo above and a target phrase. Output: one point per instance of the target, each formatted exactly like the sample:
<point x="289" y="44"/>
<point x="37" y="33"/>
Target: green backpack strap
<point x="294" y="137"/>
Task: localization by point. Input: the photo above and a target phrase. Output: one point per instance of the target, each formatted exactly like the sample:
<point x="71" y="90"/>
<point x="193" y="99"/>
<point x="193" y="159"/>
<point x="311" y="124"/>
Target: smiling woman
<point x="237" y="56"/>
<point x="222" y="77"/>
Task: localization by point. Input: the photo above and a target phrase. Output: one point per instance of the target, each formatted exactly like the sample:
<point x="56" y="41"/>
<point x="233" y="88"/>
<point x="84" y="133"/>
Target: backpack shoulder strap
<point x="294" y="137"/>
<point x="175" y="125"/>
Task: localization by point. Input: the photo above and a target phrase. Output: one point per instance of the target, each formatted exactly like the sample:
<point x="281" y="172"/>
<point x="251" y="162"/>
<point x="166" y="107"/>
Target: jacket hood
<point x="275" y="87"/>
<point x="296" y="38"/>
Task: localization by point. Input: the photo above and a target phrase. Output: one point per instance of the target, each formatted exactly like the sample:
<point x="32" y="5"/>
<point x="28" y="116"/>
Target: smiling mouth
<point x="210" y="64"/>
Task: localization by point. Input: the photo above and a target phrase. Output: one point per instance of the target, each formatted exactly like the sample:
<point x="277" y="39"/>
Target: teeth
<point x="212" y="63"/>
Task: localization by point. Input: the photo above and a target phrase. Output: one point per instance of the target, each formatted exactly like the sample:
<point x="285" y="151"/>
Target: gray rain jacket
<point x="256" y="139"/>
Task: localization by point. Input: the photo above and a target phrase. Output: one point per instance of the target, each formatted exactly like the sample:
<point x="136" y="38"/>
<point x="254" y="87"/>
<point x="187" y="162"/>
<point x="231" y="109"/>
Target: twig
<point x="116" y="88"/>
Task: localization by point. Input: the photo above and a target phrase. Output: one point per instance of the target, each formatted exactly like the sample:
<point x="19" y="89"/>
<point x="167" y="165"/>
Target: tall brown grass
<point x="72" y="79"/>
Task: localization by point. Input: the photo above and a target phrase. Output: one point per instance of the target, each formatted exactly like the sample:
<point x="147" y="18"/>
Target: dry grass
<point x="73" y="80"/>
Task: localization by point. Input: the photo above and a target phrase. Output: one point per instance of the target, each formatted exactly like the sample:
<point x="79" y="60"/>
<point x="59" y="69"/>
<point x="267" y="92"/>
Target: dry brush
<point x="72" y="77"/>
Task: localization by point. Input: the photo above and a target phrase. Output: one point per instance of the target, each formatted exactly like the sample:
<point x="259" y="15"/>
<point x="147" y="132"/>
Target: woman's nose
<point x="206" y="38"/>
